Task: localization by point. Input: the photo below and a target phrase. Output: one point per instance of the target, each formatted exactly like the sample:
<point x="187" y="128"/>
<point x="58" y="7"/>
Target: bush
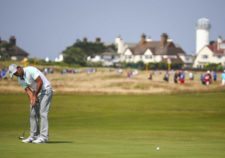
<point x="214" y="67"/>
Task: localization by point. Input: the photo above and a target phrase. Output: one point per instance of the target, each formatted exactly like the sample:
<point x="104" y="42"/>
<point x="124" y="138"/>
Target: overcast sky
<point x="46" y="27"/>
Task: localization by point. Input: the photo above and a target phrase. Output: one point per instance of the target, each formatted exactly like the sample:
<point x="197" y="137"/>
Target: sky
<point x="44" y="28"/>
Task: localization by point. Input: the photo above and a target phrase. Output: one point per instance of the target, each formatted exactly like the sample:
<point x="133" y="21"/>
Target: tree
<point x="74" y="55"/>
<point x="80" y="50"/>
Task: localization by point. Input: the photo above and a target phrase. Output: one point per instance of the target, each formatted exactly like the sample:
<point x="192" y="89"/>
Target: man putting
<point x="39" y="91"/>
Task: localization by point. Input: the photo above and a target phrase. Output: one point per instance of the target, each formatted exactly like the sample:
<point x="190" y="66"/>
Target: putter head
<point x="22" y="135"/>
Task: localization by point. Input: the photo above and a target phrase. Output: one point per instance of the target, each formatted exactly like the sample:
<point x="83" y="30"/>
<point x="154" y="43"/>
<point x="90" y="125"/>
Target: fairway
<point x="119" y="126"/>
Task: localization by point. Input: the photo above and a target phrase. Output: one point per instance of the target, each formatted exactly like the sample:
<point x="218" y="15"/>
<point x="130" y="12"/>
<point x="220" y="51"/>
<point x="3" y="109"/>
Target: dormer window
<point x="128" y="56"/>
<point x="204" y="56"/>
<point x="219" y="56"/>
<point x="148" y="56"/>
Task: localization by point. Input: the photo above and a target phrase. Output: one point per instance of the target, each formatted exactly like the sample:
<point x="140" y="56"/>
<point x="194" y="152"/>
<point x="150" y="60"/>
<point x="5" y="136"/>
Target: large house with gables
<point x="10" y="50"/>
<point x="149" y="51"/>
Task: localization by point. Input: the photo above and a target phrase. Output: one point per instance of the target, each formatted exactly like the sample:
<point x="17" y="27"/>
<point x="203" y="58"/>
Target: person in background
<point x="191" y="76"/>
<point x="208" y="78"/>
<point x="150" y="75"/>
<point x="214" y="74"/>
<point x="202" y="78"/>
<point x="176" y="77"/>
<point x="166" y="76"/>
<point x="223" y="78"/>
<point x="182" y="77"/>
<point x="3" y="74"/>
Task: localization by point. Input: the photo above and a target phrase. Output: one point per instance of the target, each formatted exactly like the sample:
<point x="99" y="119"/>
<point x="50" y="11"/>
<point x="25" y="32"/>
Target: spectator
<point x="129" y="74"/>
<point x="191" y="76"/>
<point x="166" y="77"/>
<point x="214" y="76"/>
<point x="176" y="77"/>
<point x="208" y="78"/>
<point x="223" y="78"/>
<point x="202" y="78"/>
<point x="150" y="75"/>
<point x="3" y="74"/>
<point x="182" y="77"/>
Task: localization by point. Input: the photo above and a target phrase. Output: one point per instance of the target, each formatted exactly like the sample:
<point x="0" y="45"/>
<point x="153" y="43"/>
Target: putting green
<point x="113" y="126"/>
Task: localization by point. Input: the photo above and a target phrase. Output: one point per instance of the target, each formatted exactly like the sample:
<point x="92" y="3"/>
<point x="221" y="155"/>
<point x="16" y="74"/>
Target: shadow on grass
<point x="59" y="142"/>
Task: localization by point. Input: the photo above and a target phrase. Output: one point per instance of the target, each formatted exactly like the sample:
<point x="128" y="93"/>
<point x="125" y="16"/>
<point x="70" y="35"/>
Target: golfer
<point x="39" y="91"/>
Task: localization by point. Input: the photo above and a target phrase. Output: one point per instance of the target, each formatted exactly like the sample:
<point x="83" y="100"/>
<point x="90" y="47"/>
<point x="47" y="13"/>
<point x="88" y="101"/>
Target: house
<point x="213" y="53"/>
<point x="60" y="58"/>
<point x="9" y="50"/>
<point x="108" y="58"/>
<point x="149" y="51"/>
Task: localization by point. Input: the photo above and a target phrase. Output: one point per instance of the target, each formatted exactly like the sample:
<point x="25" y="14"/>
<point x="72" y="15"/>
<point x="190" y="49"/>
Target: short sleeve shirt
<point x="30" y="75"/>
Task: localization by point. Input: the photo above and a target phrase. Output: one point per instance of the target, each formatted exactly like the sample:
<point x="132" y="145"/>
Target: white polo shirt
<point x="30" y="75"/>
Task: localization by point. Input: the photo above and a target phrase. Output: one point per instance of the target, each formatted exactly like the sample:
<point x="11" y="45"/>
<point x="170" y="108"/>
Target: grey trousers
<point x="39" y="115"/>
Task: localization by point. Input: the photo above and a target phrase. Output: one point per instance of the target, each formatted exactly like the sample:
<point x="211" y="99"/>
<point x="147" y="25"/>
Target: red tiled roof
<point x="214" y="48"/>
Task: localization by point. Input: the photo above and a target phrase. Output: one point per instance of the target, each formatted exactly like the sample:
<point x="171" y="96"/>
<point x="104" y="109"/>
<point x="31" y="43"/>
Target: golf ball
<point x="157" y="148"/>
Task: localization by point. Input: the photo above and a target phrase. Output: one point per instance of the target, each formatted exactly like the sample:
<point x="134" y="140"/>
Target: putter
<point x="22" y="136"/>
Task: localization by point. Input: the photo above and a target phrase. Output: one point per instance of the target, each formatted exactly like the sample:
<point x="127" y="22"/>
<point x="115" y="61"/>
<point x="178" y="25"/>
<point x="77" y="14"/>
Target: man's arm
<point x="39" y="85"/>
<point x="34" y="95"/>
<point x="30" y="95"/>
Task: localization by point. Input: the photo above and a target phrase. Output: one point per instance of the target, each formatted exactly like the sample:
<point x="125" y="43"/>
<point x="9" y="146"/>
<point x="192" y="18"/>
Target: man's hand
<point x="33" y="100"/>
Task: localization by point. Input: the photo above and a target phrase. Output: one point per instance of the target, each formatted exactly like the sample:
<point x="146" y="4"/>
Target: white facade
<point x="206" y="56"/>
<point x="121" y="46"/>
<point x="127" y="56"/>
<point x="59" y="59"/>
<point x="202" y="33"/>
<point x="147" y="57"/>
<point x="95" y="59"/>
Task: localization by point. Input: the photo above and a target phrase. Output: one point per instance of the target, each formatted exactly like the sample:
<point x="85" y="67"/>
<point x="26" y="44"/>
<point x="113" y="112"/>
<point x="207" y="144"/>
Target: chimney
<point x="85" y="40"/>
<point x="98" y="40"/>
<point x="164" y="38"/>
<point x="143" y="39"/>
<point x="12" y="40"/>
<point x="219" y="41"/>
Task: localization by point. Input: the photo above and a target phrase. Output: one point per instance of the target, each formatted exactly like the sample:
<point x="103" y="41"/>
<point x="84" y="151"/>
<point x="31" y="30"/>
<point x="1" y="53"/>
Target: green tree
<point x="74" y="55"/>
<point x="80" y="50"/>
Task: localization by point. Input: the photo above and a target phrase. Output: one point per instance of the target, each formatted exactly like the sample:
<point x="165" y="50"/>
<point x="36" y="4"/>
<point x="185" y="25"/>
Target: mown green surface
<point x="108" y="126"/>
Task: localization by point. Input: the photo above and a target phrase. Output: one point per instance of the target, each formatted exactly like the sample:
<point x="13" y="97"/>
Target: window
<point x="128" y="56"/>
<point x="219" y="56"/>
<point x="204" y="56"/>
<point x="148" y="56"/>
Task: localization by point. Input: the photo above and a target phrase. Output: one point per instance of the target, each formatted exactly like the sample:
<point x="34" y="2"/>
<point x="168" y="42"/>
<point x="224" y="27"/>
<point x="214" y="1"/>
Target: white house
<point x="106" y="58"/>
<point x="60" y="58"/>
<point x="214" y="53"/>
<point x="149" y="51"/>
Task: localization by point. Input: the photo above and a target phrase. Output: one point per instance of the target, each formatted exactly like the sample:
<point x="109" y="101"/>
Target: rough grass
<point x="120" y="126"/>
<point x="106" y="81"/>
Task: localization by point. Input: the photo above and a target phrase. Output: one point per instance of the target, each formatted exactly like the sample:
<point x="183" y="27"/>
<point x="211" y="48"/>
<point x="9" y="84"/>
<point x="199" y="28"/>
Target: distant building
<point x="59" y="58"/>
<point x="203" y="27"/>
<point x="208" y="53"/>
<point x="107" y="58"/>
<point x="213" y="53"/>
<point x="149" y="51"/>
<point x="9" y="50"/>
